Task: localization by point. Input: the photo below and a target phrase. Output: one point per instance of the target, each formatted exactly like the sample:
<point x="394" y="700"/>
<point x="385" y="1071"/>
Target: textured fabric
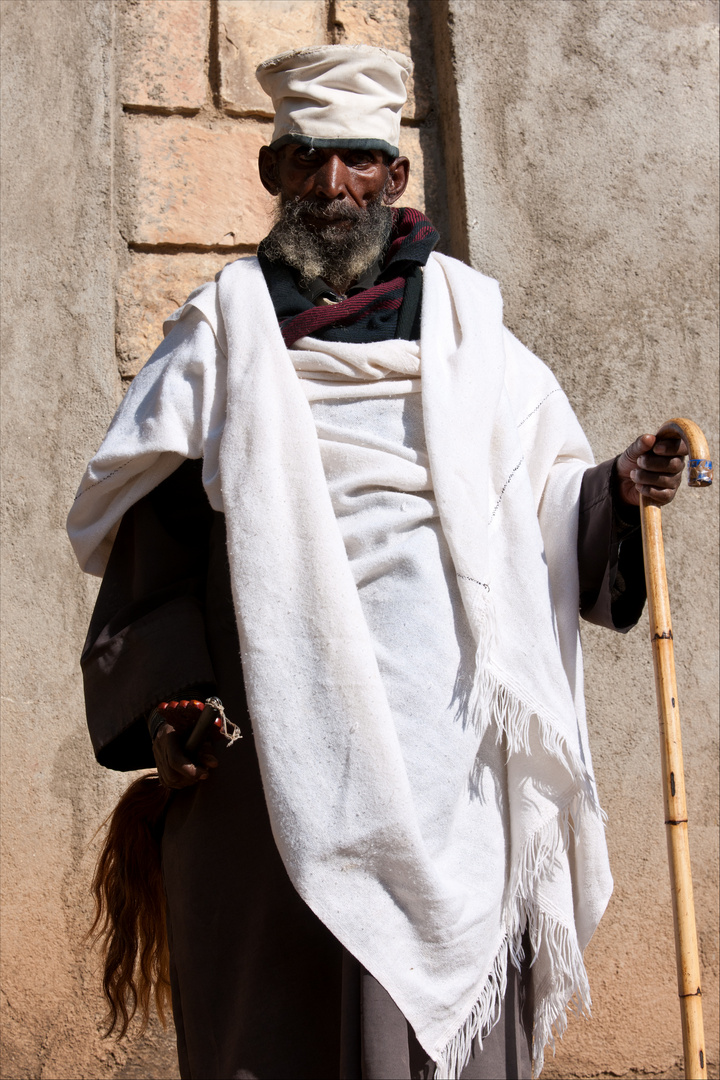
<point x="386" y="310"/>
<point x="157" y="576"/>
<point x="370" y="432"/>
<point x="441" y="947"/>
<point x="329" y="95"/>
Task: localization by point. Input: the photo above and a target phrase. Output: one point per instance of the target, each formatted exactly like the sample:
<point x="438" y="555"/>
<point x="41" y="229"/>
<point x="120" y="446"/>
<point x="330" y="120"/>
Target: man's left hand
<point x="652" y="468"/>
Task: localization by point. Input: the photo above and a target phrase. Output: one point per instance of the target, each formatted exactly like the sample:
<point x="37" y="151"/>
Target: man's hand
<point x="175" y="769"/>
<point x="651" y="468"/>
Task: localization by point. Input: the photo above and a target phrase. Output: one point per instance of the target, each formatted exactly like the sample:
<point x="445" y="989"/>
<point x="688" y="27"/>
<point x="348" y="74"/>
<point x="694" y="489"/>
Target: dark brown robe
<point x="261" y="989"/>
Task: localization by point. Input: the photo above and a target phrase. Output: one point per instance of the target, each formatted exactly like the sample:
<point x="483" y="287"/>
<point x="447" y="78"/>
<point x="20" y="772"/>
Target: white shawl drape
<point x="434" y="924"/>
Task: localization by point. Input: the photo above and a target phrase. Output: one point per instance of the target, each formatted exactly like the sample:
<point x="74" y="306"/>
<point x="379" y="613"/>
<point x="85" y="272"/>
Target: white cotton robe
<point x="405" y="584"/>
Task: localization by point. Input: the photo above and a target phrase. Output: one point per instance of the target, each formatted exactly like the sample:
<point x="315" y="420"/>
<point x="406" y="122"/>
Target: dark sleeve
<point x="610" y="558"/>
<point x="146" y="641"/>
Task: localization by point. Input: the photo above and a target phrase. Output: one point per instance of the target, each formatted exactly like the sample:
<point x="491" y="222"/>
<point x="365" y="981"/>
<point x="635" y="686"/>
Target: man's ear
<point x="268" y="168"/>
<point x="398" y="176"/>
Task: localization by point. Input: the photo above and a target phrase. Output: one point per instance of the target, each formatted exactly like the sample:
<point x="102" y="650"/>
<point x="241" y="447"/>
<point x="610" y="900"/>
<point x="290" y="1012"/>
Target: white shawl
<point x="433" y="924"/>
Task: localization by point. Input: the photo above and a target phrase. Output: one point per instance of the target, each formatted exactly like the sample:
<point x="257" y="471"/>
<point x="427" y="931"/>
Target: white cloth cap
<point x="337" y="95"/>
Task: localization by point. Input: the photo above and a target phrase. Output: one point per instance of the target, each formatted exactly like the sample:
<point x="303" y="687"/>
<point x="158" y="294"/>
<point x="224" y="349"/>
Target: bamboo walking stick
<point x="686" y="949"/>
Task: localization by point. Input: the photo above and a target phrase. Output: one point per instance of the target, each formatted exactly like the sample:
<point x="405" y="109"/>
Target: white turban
<point x="337" y="95"/>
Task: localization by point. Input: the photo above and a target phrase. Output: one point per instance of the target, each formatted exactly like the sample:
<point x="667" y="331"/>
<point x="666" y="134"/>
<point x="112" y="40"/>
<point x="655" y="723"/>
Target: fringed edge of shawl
<point x="565" y="989"/>
<point x="491" y="699"/>
<point x="540" y="853"/>
<point x="482" y="1018"/>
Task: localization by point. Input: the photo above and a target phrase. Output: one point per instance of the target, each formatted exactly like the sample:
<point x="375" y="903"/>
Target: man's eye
<point x="359" y="157"/>
<point x="307" y="156"/>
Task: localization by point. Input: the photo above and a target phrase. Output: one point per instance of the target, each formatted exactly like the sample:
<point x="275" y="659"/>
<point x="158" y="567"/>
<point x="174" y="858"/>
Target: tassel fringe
<point x="564" y="989"/>
<point x="491" y="699"/>
<point x="483" y="1016"/>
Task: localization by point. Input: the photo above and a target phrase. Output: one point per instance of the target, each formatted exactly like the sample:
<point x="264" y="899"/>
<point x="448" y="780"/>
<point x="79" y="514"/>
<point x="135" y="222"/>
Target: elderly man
<point x="344" y="499"/>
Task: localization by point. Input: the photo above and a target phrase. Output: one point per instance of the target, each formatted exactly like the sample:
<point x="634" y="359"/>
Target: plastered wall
<point x="582" y="150"/>
<point x="60" y="384"/>
<point x="578" y="167"/>
<point x="59" y="387"/>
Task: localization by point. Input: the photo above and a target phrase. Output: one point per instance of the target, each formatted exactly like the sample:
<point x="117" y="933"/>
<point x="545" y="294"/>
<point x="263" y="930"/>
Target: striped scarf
<point x="389" y="309"/>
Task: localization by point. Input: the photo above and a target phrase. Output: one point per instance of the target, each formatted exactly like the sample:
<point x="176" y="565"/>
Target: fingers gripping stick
<point x="212" y="715"/>
<point x="686" y="950"/>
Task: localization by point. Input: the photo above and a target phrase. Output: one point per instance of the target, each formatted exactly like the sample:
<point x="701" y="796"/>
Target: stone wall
<point x="193" y="118"/>
<point x="578" y="167"/>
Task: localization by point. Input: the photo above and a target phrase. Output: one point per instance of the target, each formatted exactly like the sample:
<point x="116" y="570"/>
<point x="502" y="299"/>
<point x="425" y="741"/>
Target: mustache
<point x="332" y="210"/>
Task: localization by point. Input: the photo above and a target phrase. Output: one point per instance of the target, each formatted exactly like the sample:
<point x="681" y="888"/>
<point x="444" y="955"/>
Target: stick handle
<point x="201" y="730"/>
<point x="673" y="776"/>
<point x="700" y="471"/>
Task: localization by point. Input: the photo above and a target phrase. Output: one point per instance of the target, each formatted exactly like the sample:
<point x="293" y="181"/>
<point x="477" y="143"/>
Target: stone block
<point x="151" y="287"/>
<point x="390" y="24"/>
<point x="250" y="31"/>
<point x="163" y="53"/>
<point x="192" y="184"/>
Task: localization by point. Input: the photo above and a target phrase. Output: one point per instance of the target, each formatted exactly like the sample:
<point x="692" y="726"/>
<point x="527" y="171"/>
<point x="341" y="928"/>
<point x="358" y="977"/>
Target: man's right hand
<point x="175" y="769"/>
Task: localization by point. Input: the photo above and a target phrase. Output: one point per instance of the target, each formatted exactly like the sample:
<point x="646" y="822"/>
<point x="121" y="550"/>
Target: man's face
<point x="333" y="220"/>
<point x="338" y="175"/>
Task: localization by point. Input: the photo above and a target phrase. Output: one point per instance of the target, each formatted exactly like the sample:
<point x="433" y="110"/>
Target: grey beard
<point x="337" y="255"/>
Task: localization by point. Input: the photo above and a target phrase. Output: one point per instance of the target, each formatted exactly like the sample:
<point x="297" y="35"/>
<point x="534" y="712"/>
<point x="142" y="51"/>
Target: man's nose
<point x="331" y="179"/>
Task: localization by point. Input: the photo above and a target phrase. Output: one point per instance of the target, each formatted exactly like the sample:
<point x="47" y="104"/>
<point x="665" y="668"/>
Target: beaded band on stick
<point x="699" y="472"/>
